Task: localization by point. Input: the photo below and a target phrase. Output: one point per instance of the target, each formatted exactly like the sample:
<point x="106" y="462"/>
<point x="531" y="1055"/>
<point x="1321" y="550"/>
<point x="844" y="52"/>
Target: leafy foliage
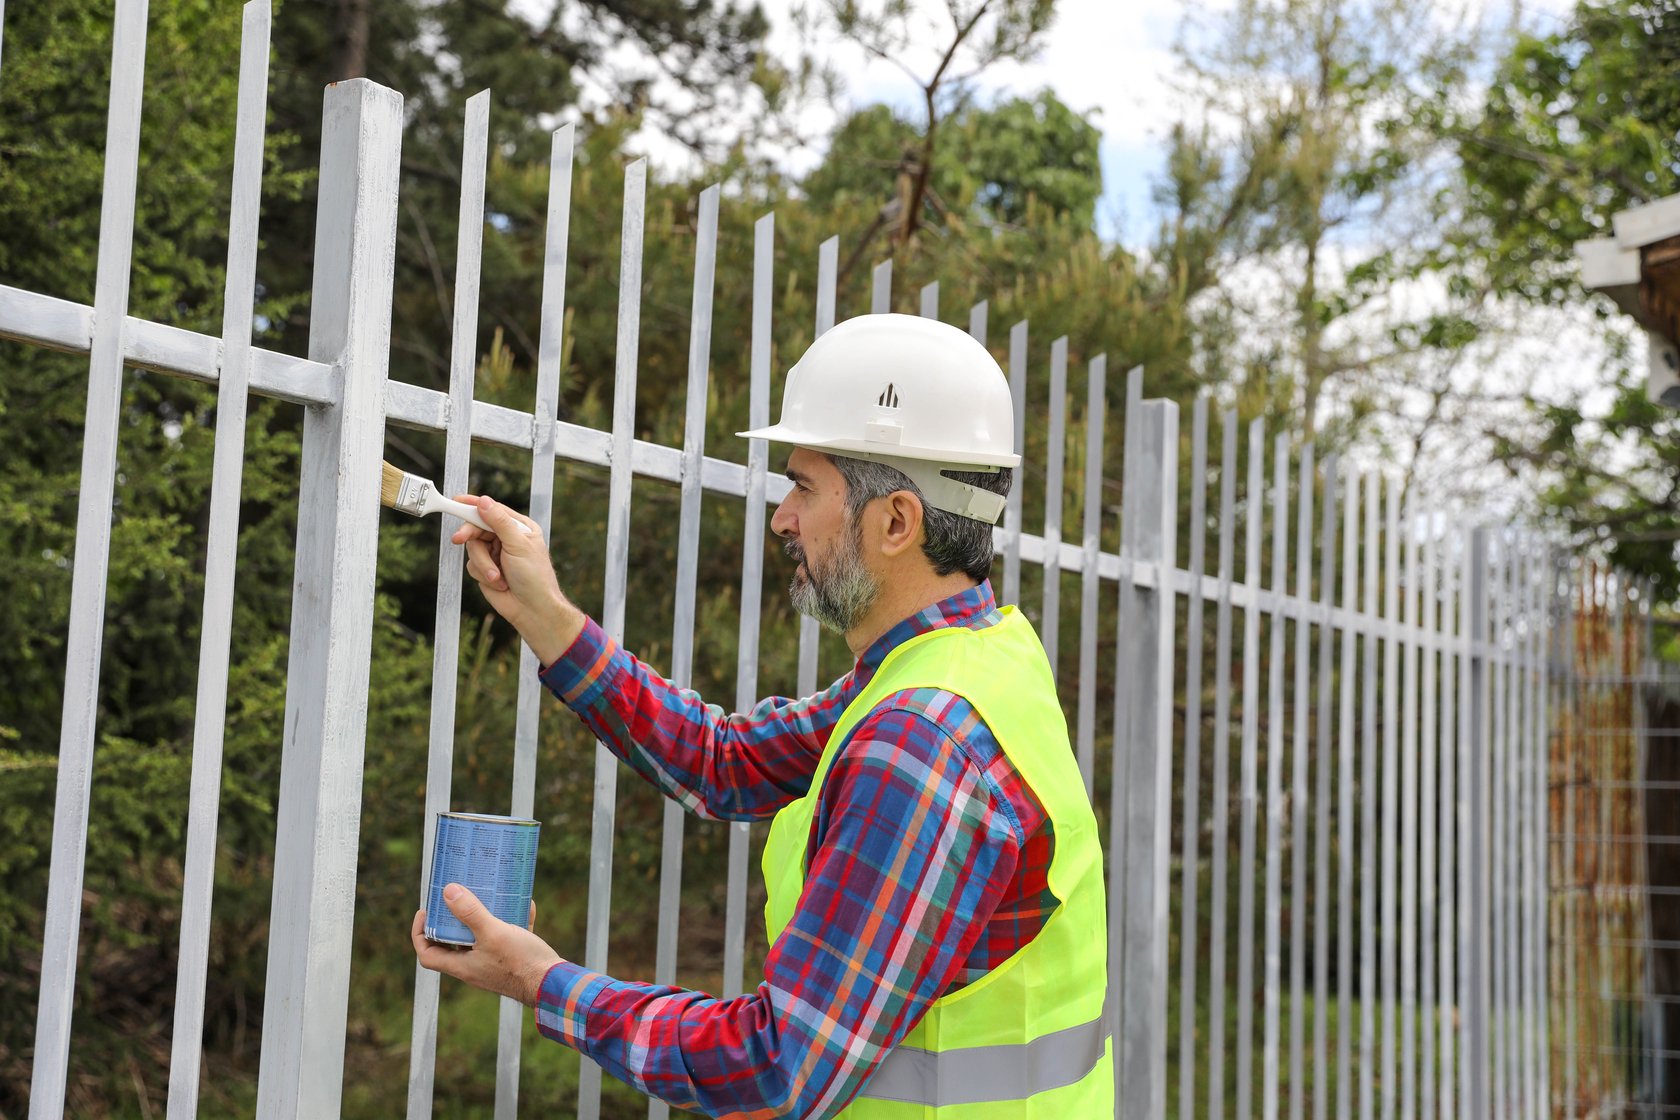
<point x="1577" y="125"/>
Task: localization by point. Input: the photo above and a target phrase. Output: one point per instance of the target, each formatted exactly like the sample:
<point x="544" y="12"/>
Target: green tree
<point x="1578" y="124"/>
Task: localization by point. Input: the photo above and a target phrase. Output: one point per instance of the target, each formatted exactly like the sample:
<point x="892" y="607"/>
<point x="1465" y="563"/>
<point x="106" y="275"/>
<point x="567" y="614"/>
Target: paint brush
<point x="409" y="493"/>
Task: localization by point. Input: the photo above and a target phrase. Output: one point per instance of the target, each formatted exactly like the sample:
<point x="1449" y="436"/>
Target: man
<point x="936" y="910"/>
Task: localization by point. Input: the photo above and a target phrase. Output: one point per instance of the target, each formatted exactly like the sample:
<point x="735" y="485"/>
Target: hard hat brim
<point x="781" y="433"/>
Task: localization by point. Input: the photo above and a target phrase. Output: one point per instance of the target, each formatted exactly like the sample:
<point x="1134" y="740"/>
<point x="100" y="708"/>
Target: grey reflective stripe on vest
<point x="977" y="1074"/>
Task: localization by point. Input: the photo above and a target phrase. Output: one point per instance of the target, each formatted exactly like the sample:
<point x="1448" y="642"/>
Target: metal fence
<point x="1612" y="869"/>
<point x="1387" y="702"/>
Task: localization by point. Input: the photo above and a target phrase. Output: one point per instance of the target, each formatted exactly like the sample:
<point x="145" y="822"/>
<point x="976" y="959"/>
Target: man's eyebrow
<point x="797" y="476"/>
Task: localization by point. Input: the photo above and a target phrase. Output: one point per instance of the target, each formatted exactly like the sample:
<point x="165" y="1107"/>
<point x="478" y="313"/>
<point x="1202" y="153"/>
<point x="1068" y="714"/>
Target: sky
<point x="1109" y="59"/>
<point x="1112" y="60"/>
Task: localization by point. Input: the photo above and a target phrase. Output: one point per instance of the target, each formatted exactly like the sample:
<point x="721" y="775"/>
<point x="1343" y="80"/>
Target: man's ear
<point x="901" y="523"/>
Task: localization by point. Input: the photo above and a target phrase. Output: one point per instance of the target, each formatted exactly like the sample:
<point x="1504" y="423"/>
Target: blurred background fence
<point x="1387" y="807"/>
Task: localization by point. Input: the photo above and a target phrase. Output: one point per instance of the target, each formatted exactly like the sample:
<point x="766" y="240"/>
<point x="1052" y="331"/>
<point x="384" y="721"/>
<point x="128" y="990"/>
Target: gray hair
<point x="952" y="543"/>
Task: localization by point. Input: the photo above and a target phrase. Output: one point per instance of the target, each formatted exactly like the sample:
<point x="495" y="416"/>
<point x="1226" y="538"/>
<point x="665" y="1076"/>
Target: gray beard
<point x="839" y="593"/>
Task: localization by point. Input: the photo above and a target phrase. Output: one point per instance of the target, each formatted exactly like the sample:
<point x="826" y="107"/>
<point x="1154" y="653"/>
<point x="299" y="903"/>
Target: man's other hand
<point x="506" y="960"/>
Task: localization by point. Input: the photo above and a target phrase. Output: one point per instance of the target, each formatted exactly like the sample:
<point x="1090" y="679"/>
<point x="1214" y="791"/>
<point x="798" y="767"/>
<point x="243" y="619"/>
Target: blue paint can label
<point x="494" y="857"/>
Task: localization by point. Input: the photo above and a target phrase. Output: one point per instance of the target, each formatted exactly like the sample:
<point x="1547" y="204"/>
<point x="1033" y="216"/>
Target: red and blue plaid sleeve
<point x="726" y="767"/>
<point x="913" y="849"/>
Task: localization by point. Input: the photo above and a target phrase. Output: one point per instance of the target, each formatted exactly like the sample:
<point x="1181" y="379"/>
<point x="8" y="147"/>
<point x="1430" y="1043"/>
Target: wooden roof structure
<point x="1639" y="268"/>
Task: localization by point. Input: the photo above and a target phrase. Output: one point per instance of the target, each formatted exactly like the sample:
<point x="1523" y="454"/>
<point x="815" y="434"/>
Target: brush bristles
<point x="390" y="485"/>
<point x="401" y="491"/>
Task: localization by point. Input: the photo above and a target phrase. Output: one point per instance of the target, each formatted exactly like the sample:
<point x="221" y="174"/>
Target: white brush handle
<point x="437" y="503"/>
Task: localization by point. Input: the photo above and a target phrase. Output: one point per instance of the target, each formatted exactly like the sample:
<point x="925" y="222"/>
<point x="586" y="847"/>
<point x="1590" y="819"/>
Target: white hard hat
<point x="915" y="393"/>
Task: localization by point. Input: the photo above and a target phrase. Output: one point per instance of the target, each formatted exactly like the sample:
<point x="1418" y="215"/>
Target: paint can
<point x="494" y="857"/>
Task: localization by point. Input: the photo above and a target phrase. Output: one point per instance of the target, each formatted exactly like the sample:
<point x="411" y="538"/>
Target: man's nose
<point x="782" y="522"/>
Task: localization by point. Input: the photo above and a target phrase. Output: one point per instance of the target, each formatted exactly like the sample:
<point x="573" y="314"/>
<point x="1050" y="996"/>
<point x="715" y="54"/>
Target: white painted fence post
<point x="1144" y="754"/>
<point x="1473" y="843"/>
<point x="92" y="564"/>
<point x="332" y="610"/>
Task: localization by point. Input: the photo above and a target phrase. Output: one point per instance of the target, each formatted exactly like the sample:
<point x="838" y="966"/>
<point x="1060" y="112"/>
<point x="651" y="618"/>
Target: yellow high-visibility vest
<point x="1029" y="1040"/>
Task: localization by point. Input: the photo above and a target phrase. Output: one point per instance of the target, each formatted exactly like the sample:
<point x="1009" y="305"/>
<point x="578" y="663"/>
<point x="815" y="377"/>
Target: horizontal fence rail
<point x="1402" y="692"/>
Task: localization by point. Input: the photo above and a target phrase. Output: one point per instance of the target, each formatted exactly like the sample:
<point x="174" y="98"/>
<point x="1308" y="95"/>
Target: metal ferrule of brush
<point x="411" y="495"/>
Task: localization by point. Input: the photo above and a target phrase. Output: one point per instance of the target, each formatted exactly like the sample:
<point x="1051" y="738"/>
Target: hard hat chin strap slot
<point x="939" y="490"/>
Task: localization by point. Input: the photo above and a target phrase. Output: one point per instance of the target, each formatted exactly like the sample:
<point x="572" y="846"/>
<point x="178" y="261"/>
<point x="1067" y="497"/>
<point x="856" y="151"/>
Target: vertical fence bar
<point x="1450" y="632"/>
<point x="92" y="564"/>
<point x="1321" y="829"/>
<point x="1531" y="802"/>
<point x="828" y="266"/>
<point x="528" y="713"/>
<point x="1390" y="795"/>
<point x="1522" y="724"/>
<point x="752" y="576"/>
<point x="810" y="632"/>
<point x="1516" y="729"/>
<point x="1409" y="810"/>
<point x="1149" y="530"/>
<point x="1089" y="579"/>
<point x="314" y="896"/>
<point x="1299" y="804"/>
<point x="1191" y="829"/>
<point x="1255" y="508"/>
<point x="1567" y="666"/>
<point x="1272" y="985"/>
<point x="688" y="567"/>
<point x="221" y="546"/>
<point x="1345" y="930"/>
<point x="1553" y="629"/>
<point x="1496" y="788"/>
<point x="977" y="323"/>
<point x="1220" y="807"/>
<point x="1368" y="1002"/>
<point x="930" y="300"/>
<point x="1057" y="434"/>
<point x="614" y="591"/>
<point x="1473" y="835"/>
<point x="1429" y="628"/>
<point x="880" y="289"/>
<point x="463" y="355"/>
<point x="1012" y="519"/>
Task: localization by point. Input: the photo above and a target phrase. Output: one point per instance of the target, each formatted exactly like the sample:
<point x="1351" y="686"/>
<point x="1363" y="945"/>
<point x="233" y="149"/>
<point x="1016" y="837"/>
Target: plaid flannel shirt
<point x="927" y="868"/>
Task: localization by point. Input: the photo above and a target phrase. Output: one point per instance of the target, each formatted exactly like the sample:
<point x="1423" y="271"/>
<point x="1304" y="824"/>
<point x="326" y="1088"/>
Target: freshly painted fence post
<point x="1408" y="546"/>
<point x="752" y="573"/>
<point x="528" y="707"/>
<point x="1344" y="803"/>
<point x="221" y="550"/>
<point x="614" y="590"/>
<point x="1272" y="919"/>
<point x="1299" y="797"/>
<point x="1473" y="839"/>
<point x="1221" y="765"/>
<point x="1191" y="826"/>
<point x="1368" y="1002"/>
<point x="1050" y="620"/>
<point x="1096" y="412"/>
<point x="1254" y="503"/>
<point x="688" y="565"/>
<point x="314" y="900"/>
<point x="1388" y="932"/>
<point x="1429" y="805"/>
<point x="440" y="750"/>
<point x="1321" y="833"/>
<point x="1451" y="630"/>
<point x="1013" y="521"/>
<point x="1148" y="535"/>
<point x="92" y="564"/>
